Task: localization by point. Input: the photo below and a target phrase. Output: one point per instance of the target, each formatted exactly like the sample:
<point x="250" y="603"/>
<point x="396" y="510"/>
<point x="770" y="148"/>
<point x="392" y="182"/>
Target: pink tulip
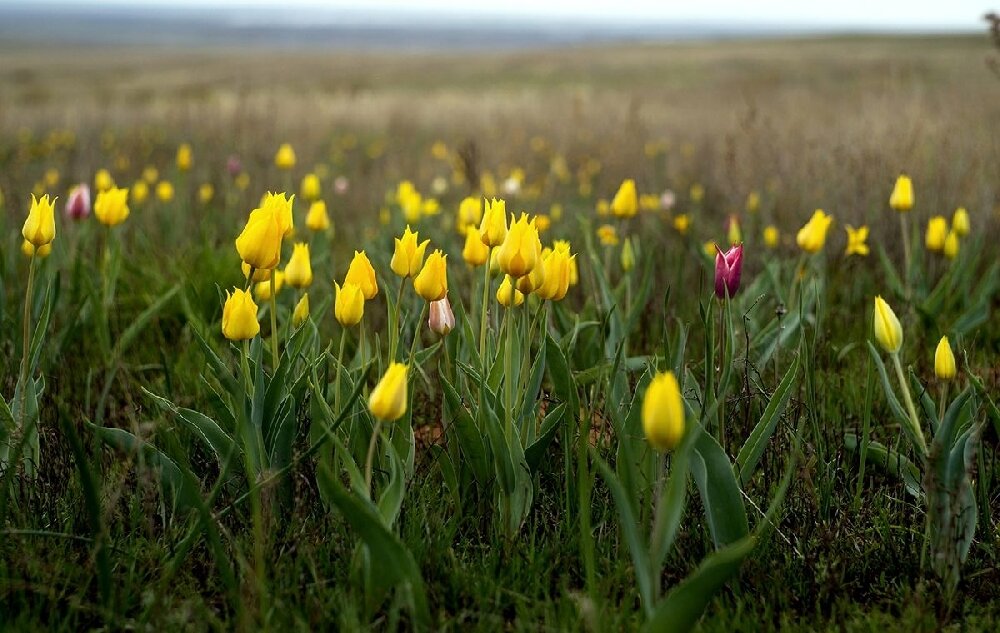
<point x="667" y="200"/>
<point x="233" y="165"/>
<point x="78" y="204"/>
<point x="341" y="185"/>
<point x="728" y="268"/>
<point x="442" y="319"/>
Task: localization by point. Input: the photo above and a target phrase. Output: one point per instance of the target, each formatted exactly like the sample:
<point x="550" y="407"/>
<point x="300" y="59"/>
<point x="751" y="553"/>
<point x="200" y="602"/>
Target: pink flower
<point x="78" y="204"/>
<point x="442" y="319"/>
<point x="728" y="268"/>
<point x="340" y="185"/>
<point x="233" y="165"/>
<point x="667" y="200"/>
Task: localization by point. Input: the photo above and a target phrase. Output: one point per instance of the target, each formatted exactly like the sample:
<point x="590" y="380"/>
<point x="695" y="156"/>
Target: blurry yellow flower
<point x="888" y="331"/>
<point x="542" y="222"/>
<point x="239" y="316"/>
<point x="29" y="250"/>
<point x="349" y="305"/>
<point x="663" y="412"/>
<point x="733" y="232"/>
<point x="111" y="206"/>
<point x="625" y="204"/>
<point x="475" y="252"/>
<point x="556" y="211"/>
<point x="206" y="192"/>
<point x="493" y="228"/>
<point x="771" y="236"/>
<point x="628" y="255"/>
<point x="184" y="157"/>
<point x="522" y="249"/>
<point x="857" y="240"/>
<point x="139" y="192"/>
<point x="603" y="207"/>
<point x="40" y="226"/>
<point x="937" y="231"/>
<point x="285" y="157"/>
<point x="649" y="202"/>
<point x="710" y="248"/>
<point x="812" y="236"/>
<point x="960" y="222"/>
<point x="430" y="206"/>
<point x="607" y="235"/>
<point x="103" y="180"/>
<point x="951" y="245"/>
<point x="439" y="150"/>
<point x="317" y="218"/>
<point x="301" y="312"/>
<point x="902" y="194"/>
<point x="151" y="175"/>
<point x="298" y="270"/>
<point x="470" y="213"/>
<point x="753" y="202"/>
<point x="51" y="177"/>
<point x="408" y="255"/>
<point x="361" y="274"/>
<point x="243" y="181"/>
<point x="432" y="281"/>
<point x="697" y="193"/>
<point x="682" y="222"/>
<point x="388" y="399"/>
<point x="311" y="187"/>
<point x="262" y="290"/>
<point x="164" y="191"/>
<point x="504" y="295"/>
<point x="944" y="360"/>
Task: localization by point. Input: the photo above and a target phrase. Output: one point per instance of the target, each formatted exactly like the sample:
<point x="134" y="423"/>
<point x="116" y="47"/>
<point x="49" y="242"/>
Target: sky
<point x="887" y="14"/>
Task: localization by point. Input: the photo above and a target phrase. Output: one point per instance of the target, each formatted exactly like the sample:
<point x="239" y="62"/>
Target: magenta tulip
<point x="728" y="268"/>
<point x="78" y="204"/>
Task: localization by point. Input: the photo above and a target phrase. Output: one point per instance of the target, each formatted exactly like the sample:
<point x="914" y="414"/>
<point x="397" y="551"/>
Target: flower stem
<point x="274" y="325"/>
<point x="485" y="310"/>
<point x="340" y="367"/>
<point x="508" y="363"/>
<point x="26" y="346"/>
<point x="904" y="227"/>
<point x="371" y="457"/>
<point x="394" y="323"/>
<point x="910" y="409"/>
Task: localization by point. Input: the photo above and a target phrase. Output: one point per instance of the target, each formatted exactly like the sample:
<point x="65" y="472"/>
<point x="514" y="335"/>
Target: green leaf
<point x="890" y="461"/>
<point x="720" y="494"/>
<point x="533" y="454"/>
<point x="470" y="438"/>
<point x="141" y="321"/>
<point x="756" y="443"/>
<point x="203" y="427"/>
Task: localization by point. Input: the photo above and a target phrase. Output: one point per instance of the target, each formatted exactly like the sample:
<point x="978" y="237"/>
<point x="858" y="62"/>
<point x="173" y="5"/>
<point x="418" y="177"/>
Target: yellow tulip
<point x="951" y="245"/>
<point x="937" y="232"/>
<point x="29" y="249"/>
<point x="475" y="252"/>
<point x="607" y="235"/>
<point x="533" y="280"/>
<point x="493" y="228"/>
<point x="432" y="281"/>
<point x="111" y="206"/>
<point x="857" y="240"/>
<point x="697" y="193"/>
<point x="317" y="219"/>
<point x="960" y="222"/>
<point x="206" y="192"/>
<point x="470" y="213"/>
<point x="902" y="194"/>
<point x="557" y="264"/>
<point x="361" y="273"/>
<point x="184" y="158"/>
<point x="139" y="192"/>
<point x="259" y="245"/>
<point x="40" y="225"/>
<point x="663" y="412"/>
<point x="504" y="295"/>
<point x="522" y="249"/>
<point x="408" y="256"/>
<point x="628" y="255"/>
<point x="681" y="223"/>
<point x="281" y="206"/>
<point x="262" y="290"/>
<point x="164" y="191"/>
<point x="603" y="207"/>
<point x="310" y="187"/>
<point x="239" y="316"/>
<point x="151" y="175"/>
<point x="944" y="360"/>
<point x="564" y="247"/>
<point x="753" y="202"/>
<point x="285" y="157"/>
<point x="258" y="274"/>
<point x="812" y="236"/>
<point x="771" y="236"/>
<point x="301" y="312"/>
<point x="349" y="305"/>
<point x="103" y="180"/>
<point x="298" y="270"/>
<point x="388" y="400"/>
<point x="888" y="331"/>
<point x="625" y="204"/>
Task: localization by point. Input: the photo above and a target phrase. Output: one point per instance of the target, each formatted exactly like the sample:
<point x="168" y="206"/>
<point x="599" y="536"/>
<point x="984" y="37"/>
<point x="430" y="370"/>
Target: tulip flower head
<point x="944" y="360"/>
<point x="349" y="304"/>
<point x="298" y="270"/>
<point x="139" y="192"/>
<point x="663" y="412"/>
<point x="728" y="270"/>
<point x="111" y="206"/>
<point x="857" y="240"/>
<point x="103" y="180"/>
<point x="508" y="293"/>
<point x="771" y="236"/>
<point x="937" y="232"/>
<point x="625" y="204"/>
<point x="164" y="191"/>
<point x="40" y="225"/>
<point x="558" y="265"/>
<point x="441" y="320"/>
<point x="493" y="228"/>
<point x="812" y="236"/>
<point x="317" y="219"/>
<point x="408" y="256"/>
<point x="259" y="245"/>
<point x="607" y="235"/>
<point x="361" y="274"/>
<point x="951" y="245"/>
<point x="239" y="316"/>
<point x="78" y="205"/>
<point x="29" y="250"/>
<point x="311" y="188"/>
<point x="206" y="192"/>
<point x="888" y="331"/>
<point x="628" y="255"/>
<point x="262" y="290"/>
<point x="697" y="193"/>
<point x="682" y="222"/>
<point x="521" y="251"/>
<point x="733" y="232"/>
<point x="184" y="157"/>
<point x="470" y="214"/>
<point x="301" y="312"/>
<point x="753" y="202"/>
<point x="284" y="159"/>
<point x="960" y="222"/>
<point x="388" y="400"/>
<point x="902" y="194"/>
<point x="432" y="281"/>
<point x="475" y="252"/>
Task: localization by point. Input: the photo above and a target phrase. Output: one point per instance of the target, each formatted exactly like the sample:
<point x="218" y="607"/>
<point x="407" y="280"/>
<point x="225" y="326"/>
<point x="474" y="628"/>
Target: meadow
<point x="694" y="337"/>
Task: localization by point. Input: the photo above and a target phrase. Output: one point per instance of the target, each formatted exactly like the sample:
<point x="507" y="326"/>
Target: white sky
<point x="933" y="14"/>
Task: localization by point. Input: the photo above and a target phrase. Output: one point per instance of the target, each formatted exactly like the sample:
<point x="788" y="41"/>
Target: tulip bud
<point x="184" y="157"/>
<point x="888" y="331"/>
<point x="40" y="225"/>
<point x="298" y="271"/>
<point x="628" y="255"/>
<point x="733" y="232"/>
<point x="139" y="192"/>
<point x="697" y="192"/>
<point x="349" y="304"/>
<point x="259" y="244"/>
<point x="340" y="185"/>
<point x="441" y="320"/>
<point x="103" y="180"/>
<point x="607" y="235"/>
<point x="475" y="252"/>
<point x="493" y="228"/>
<point x="960" y="222"/>
<point x="812" y="236"/>
<point x="301" y="312"/>
<point x="728" y="270"/>
<point x="408" y="255"/>
<point x="521" y="250"/>
<point x="317" y="218"/>
<point x="432" y="282"/>
<point x="771" y="236"/>
<point x="902" y="194"/>
<point x="78" y="205"/>
<point x="239" y="316"/>
<point x="937" y="232"/>
<point x="388" y="400"/>
<point x="311" y="187"/>
<point x="663" y="413"/>
<point x="164" y="191"/>
<point x="284" y="159"/>
<point x="233" y="165"/>
<point x="951" y="245"/>
<point x="944" y="360"/>
<point x="362" y="275"/>
<point x="625" y="204"/>
<point x="753" y="202"/>
<point x="263" y="288"/>
<point x="507" y="293"/>
<point x="206" y="192"/>
<point x="470" y="214"/>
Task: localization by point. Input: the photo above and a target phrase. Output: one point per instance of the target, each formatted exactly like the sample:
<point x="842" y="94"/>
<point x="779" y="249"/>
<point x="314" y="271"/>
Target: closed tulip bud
<point x="432" y="281"/>
<point x="557" y="263"/>
<point x="470" y="214"/>
<point x="507" y="293"/>
<point x="103" y="180"/>
<point x="857" y="240"/>
<point x="239" y="316"/>
<point x="902" y="194"/>
<point x="184" y="157"/>
<point x="682" y="223"/>
<point x="259" y="245"/>
<point x="563" y="247"/>
<point x="388" y="400"/>
<point x="311" y="188"/>
<point x="493" y="228"/>
<point x="733" y="232"/>
<point x="234" y="165"/>
<point x="206" y="192"/>
<point x="40" y="225"/>
<point x="111" y="206"/>
<point x="29" y="250"/>
<point x="937" y="232"/>
<point x="78" y="205"/>
<point x="408" y="256"/>
<point x="298" y="271"/>
<point x="728" y="270"/>
<point x="697" y="192"/>
<point x="284" y="159"/>
<point x="164" y="191"/>
<point x="475" y="252"/>
<point x="139" y="192"/>
<point x="361" y="274"/>
<point x="317" y="218"/>
<point x="753" y="202"/>
<point x="771" y="236"/>
<point x="150" y="175"/>
<point x="812" y="236"/>
<point x="349" y="304"/>
<point x="258" y="273"/>
<point x="301" y="312"/>
<point x="625" y="204"/>
<point x="262" y="290"/>
<point x="944" y="360"/>
<point x="533" y="280"/>
<point x="663" y="413"/>
<point x="960" y="222"/>
<point x="522" y="249"/>
<point x="441" y="320"/>
<point x="888" y="331"/>
<point x="628" y="255"/>
<point x="951" y="245"/>
<point x="607" y="235"/>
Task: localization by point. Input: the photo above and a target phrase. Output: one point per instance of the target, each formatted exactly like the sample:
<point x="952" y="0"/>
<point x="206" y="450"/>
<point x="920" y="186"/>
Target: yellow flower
<point x="301" y="312"/>
<point x="103" y="180"/>
<point x="649" y="202"/>
<point x="857" y="240"/>
<point x="164" y="191"/>
<point x="432" y="281"/>
<point x="258" y="273"/>
<point x="317" y="218"/>
<point x="243" y="181"/>
<point x="262" y="290"/>
<point x="40" y="225"/>
<point x="349" y="305"/>
<point x="697" y="193"/>
<point x="522" y="249"/>
<point x="951" y="245"/>
<point x="282" y="209"/>
<point x="259" y="245"/>
<point x="239" y="316"/>
<point x="542" y="222"/>
<point x="111" y="206"/>
<point x="206" y="192"/>
<point x="298" y="270"/>
<point x="504" y="293"/>
<point x="944" y="360"/>
<point x="710" y="248"/>
<point x="408" y="256"/>
<point x="607" y="235"/>
<point x="557" y="263"/>
<point x="361" y="274"/>
<point x="733" y="232"/>
<point x="771" y="236"/>
<point x="533" y="280"/>
<point x="812" y="236"/>
<point x="603" y="207"/>
<point x="475" y="252"/>
<point x="470" y="213"/>
<point x="681" y="223"/>
<point x="51" y="177"/>
<point x="139" y="192"/>
<point x="439" y="150"/>
<point x="625" y="204"/>
<point x="753" y="202"/>
<point x="663" y="412"/>
<point x="310" y="187"/>
<point x="628" y="255"/>
<point x="563" y="246"/>
<point x="888" y="331"/>
<point x="960" y="222"/>
<point x="285" y="158"/>
<point x="151" y="175"/>
<point x="388" y="399"/>
<point x="937" y="231"/>
<point x="184" y="158"/>
<point x="493" y="228"/>
<point x="556" y="211"/>
<point x="902" y="194"/>
<point x="29" y="249"/>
